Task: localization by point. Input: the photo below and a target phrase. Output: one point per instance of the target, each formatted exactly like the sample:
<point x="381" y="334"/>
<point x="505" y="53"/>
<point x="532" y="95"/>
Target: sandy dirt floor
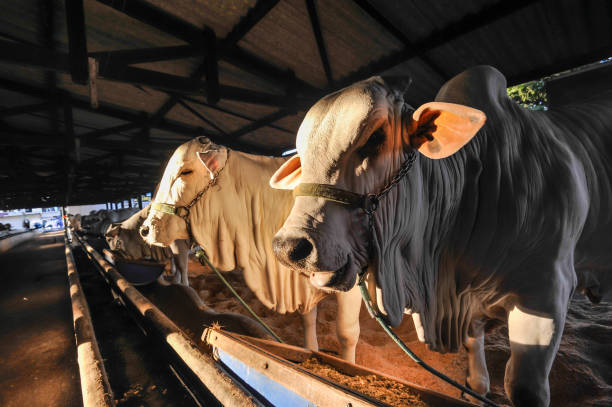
<point x="37" y="350"/>
<point x="581" y="374"/>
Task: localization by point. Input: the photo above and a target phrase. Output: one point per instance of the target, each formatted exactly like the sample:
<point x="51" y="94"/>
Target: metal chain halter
<point x="183" y="212"/>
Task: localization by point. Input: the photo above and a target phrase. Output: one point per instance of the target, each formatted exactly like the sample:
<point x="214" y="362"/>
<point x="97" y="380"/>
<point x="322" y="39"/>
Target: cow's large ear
<point x="213" y="160"/>
<point x="289" y="175"/>
<point x="439" y="129"/>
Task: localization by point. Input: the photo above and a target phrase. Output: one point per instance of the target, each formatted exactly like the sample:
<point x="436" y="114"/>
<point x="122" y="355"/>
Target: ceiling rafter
<point x="24" y="109"/>
<point x="384" y="23"/>
<point x="202" y="117"/>
<point x="77" y="41"/>
<point x="318" y="33"/>
<point x="467" y="24"/>
<point x="131" y="116"/>
<point x="233" y="113"/>
<point x="214" y="51"/>
<point x="145" y="55"/>
<point x="168" y="23"/>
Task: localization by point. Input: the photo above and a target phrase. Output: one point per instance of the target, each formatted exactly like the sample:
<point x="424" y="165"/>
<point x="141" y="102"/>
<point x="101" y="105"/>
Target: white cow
<point x="234" y="221"/>
<point x="495" y="228"/>
<point x="124" y="241"/>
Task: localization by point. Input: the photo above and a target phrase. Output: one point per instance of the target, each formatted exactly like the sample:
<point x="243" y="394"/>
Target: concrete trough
<point x="95" y="387"/>
<point x="202" y="368"/>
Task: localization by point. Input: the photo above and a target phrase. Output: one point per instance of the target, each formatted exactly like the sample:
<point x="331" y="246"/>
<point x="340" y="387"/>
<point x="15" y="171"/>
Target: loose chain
<point x="187" y="216"/>
<point x="372" y="201"/>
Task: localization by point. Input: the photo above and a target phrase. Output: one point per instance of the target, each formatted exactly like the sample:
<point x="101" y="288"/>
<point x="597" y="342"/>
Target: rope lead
<point x="366" y="298"/>
<point x="203" y="259"/>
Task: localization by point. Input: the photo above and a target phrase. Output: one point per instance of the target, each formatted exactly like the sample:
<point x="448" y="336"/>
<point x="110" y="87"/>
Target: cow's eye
<point x="372" y="146"/>
<point x="186" y="172"/>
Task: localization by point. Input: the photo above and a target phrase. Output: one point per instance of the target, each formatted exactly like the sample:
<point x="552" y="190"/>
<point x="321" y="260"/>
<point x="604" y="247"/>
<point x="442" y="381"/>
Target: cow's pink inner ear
<point x="213" y="160"/>
<point x="454" y="126"/>
<point x="289" y="175"/>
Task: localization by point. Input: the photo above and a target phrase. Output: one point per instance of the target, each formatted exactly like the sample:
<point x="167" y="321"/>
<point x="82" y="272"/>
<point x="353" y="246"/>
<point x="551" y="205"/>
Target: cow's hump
<point x="482" y="87"/>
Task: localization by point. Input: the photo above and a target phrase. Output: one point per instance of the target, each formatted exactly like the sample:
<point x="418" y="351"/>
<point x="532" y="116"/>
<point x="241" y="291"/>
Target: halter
<point x="183" y="212"/>
<point x="368" y="202"/>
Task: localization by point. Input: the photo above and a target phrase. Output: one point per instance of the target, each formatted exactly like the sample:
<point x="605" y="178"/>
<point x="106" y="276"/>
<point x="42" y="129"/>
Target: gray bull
<point x="504" y="227"/>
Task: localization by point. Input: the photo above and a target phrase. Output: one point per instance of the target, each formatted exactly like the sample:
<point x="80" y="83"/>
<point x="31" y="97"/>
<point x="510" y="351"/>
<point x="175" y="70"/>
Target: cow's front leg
<point x="180" y="257"/>
<point x="534" y="336"/>
<point x="478" y="375"/>
<point x="309" y="322"/>
<point x="347" y="322"/>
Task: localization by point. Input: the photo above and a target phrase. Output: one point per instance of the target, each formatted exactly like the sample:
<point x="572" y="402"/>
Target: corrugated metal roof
<point x="269" y="66"/>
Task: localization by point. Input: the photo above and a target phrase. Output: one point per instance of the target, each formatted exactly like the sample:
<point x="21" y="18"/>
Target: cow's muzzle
<point x="293" y="252"/>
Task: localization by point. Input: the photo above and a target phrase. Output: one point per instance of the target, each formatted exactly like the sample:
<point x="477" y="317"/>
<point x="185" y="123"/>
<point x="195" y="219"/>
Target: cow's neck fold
<point x="233" y="221"/>
<point x="415" y="223"/>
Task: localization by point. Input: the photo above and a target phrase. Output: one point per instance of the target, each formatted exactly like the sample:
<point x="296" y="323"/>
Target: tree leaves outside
<point x="531" y="95"/>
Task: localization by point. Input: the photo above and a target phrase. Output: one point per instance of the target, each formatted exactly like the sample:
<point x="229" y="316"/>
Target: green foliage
<point x="531" y="95"/>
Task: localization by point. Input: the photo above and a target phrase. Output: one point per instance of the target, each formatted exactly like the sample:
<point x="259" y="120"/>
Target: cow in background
<point x="495" y="228"/>
<point x="234" y="221"/>
<point x="124" y="241"/>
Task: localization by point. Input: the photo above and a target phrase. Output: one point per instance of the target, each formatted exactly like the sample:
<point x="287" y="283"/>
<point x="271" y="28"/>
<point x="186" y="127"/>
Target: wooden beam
<point x="385" y="24"/>
<point x="469" y="23"/>
<point x="95" y="134"/>
<point x="318" y="33"/>
<point x="144" y="55"/>
<point x="128" y="115"/>
<point x="70" y="139"/>
<point x="77" y="41"/>
<point x="264" y="121"/>
<point x="42" y="58"/>
<point x="201" y="117"/>
<point x="211" y="68"/>
<point x="26" y="109"/>
<point x="250" y="20"/>
<point x="233" y="113"/>
<point x="153" y="16"/>
<point x="210" y="63"/>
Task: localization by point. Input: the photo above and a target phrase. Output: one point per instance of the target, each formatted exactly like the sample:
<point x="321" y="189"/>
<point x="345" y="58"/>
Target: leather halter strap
<point x="341" y="196"/>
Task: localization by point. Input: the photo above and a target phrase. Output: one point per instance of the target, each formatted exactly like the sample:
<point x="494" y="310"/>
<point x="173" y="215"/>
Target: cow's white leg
<point x="347" y="322"/>
<point x="180" y="257"/>
<point x="309" y="322"/>
<point x="162" y="279"/>
<point x="478" y="375"/>
<point x="534" y="340"/>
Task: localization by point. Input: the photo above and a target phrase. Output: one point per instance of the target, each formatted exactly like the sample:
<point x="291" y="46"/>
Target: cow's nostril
<point x="144" y="231"/>
<point x="301" y="250"/>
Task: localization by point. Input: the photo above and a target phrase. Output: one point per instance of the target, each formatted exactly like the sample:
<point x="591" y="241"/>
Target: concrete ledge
<point x="10" y="241"/>
<point x="227" y="391"/>
<point x="95" y="387"/>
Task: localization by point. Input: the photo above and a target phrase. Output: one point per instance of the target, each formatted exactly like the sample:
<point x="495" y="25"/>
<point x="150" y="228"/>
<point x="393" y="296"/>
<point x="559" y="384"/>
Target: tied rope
<point x="203" y="259"/>
<point x="376" y="315"/>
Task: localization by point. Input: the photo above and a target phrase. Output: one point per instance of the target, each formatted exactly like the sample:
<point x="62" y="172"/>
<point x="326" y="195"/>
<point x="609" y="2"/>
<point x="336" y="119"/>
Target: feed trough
<point x="289" y="375"/>
<point x="137" y="272"/>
